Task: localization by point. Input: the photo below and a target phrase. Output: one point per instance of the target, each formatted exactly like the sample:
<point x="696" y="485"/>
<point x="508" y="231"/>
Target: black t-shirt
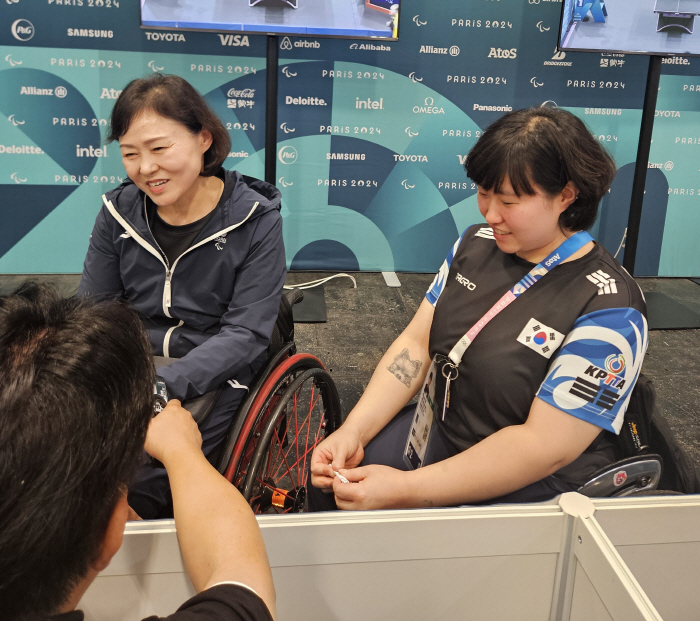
<point x="224" y="602"/>
<point x="576" y="339"/>
<point x="174" y="240"/>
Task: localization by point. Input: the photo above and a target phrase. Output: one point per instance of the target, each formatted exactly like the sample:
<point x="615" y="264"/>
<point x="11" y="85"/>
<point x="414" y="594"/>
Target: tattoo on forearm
<point x="404" y="369"/>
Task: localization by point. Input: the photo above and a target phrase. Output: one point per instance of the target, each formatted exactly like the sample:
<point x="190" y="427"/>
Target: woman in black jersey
<point x="535" y="334"/>
<point x="196" y="249"/>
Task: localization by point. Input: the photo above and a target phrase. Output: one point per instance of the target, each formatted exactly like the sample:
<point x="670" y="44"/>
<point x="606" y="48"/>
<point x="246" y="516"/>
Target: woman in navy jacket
<point x="197" y="250"/>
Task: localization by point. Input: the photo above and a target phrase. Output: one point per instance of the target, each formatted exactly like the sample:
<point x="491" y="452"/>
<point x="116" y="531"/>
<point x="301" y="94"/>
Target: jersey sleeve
<point x="595" y="370"/>
<point x="438" y="283"/>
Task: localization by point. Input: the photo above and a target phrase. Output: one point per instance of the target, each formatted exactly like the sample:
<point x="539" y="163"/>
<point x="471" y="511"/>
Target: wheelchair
<point x="291" y="406"/>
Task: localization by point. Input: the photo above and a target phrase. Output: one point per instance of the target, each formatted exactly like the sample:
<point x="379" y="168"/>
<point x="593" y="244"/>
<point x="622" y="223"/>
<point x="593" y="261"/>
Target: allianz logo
<point x="59" y="91"/>
<point x="246" y="93"/>
<point x="368" y="104"/>
<point x="166" y="36"/>
<point x="346" y="156"/>
<point x="497" y="52"/>
<point x="304" y="101"/>
<point x="663" y="166"/>
<point x="410" y="158"/>
<point x="668" y="113"/>
<point x="234" y="40"/>
<point x="428" y="108"/>
<point x="429" y="49"/>
<point x="370" y="46"/>
<point x="90" y="151"/>
<point x="298" y="43"/>
<point x="110" y="93"/>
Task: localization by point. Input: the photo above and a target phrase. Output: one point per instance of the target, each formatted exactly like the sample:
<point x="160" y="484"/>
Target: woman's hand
<point x="371" y="487"/>
<point x="342" y="449"/>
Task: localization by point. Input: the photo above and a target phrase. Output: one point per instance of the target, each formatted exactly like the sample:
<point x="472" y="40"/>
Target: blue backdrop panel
<point x="372" y="135"/>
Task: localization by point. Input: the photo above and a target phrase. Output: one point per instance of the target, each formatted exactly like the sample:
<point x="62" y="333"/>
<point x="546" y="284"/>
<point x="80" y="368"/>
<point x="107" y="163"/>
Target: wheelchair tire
<point x="278" y="472"/>
<point x="242" y="442"/>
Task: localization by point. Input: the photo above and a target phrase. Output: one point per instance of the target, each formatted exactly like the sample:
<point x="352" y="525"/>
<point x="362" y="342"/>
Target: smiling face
<point x="164" y="159"/>
<point x="525" y="225"/>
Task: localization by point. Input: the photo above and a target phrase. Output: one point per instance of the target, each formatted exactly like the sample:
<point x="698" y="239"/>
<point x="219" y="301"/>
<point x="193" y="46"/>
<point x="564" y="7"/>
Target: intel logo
<point x="22" y="30"/>
<point x="287" y="155"/>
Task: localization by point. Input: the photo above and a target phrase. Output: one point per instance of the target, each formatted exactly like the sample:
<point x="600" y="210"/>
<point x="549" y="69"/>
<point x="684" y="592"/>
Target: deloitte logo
<point x="287" y="155"/>
<point x="22" y="29"/>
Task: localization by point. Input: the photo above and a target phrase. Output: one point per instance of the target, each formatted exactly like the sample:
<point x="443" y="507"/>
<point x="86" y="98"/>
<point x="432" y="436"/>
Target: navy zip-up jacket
<point x="216" y="305"/>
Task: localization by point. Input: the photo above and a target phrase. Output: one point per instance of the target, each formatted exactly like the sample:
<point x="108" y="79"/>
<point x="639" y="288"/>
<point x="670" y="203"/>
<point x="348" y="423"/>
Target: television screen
<point x="318" y="18"/>
<point x="661" y="27"/>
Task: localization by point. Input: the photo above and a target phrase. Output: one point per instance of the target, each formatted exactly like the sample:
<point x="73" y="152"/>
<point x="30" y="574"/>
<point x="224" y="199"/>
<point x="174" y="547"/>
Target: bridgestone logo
<point x="492" y="108"/>
<point x="96" y="34"/>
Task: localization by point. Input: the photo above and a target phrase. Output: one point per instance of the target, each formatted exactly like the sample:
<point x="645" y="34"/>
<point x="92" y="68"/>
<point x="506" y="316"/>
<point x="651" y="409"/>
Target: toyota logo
<point x="22" y="30"/>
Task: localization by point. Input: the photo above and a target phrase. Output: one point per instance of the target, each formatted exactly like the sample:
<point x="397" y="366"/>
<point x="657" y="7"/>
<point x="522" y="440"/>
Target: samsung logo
<point x="94" y="34"/>
<point x="345" y="156"/>
<point x="604" y="111"/>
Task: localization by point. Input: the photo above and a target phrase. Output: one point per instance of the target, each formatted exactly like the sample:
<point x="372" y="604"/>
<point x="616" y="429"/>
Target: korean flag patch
<point x="540" y="338"/>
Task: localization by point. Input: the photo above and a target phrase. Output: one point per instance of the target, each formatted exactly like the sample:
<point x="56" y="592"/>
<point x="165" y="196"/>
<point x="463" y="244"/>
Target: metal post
<point x="271" y="110"/>
<point x="640" y="170"/>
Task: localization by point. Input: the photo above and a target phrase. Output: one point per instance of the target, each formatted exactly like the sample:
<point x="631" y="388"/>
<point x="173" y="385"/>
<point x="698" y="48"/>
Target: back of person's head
<point x="547" y="147"/>
<point x="173" y="98"/>
<point x="76" y="395"/>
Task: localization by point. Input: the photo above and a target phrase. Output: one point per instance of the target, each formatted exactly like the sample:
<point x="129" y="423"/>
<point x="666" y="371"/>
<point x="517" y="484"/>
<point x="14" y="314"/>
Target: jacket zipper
<point x="167" y="285"/>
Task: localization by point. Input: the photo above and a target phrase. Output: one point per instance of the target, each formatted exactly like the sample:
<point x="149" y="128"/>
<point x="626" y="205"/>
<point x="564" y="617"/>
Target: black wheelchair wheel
<point x="278" y="473"/>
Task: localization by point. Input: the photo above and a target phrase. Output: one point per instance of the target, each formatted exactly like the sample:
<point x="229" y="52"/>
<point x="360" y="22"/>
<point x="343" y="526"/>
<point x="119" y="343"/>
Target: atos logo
<point x="22" y="29"/>
<point x="285" y="184"/>
<point x="414" y="78"/>
<point x="497" y="52"/>
<point x="13" y="63"/>
<point x="152" y="65"/>
<point x="407" y="185"/>
<point x="287" y="155"/>
<point x="540" y="27"/>
<point x="287" y="73"/>
<point x="287" y="130"/>
<point x="418" y="22"/>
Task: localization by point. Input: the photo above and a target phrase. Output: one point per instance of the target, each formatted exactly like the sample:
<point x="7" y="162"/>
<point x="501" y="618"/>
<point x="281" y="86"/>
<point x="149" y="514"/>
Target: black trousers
<point x="149" y="493"/>
<point x="386" y="449"/>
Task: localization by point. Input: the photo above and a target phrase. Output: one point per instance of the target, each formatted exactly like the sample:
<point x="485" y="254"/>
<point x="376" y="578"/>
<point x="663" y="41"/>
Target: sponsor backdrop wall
<point x="371" y="136"/>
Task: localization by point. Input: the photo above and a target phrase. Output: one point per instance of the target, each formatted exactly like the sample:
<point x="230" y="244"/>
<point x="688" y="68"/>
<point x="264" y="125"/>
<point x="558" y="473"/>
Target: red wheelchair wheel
<point x="278" y="471"/>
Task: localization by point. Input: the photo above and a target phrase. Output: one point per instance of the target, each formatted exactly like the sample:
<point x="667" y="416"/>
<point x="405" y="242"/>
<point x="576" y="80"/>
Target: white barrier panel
<point x="528" y="562"/>
<point x="659" y="540"/>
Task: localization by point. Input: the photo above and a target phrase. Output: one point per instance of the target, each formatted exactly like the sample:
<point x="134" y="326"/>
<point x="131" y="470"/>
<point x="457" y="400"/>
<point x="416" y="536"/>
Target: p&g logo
<point x="287" y="155"/>
<point x="22" y="30"/>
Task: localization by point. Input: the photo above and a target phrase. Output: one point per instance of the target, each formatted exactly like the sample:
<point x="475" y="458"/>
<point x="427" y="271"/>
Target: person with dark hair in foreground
<point x="76" y="400"/>
<point x="196" y="249"/>
<point x="534" y="332"/>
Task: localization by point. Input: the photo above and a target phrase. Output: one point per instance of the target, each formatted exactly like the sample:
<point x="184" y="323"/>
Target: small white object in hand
<point x="341" y="477"/>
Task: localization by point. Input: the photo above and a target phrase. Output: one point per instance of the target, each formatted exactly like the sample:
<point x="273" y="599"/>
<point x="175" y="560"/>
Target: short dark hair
<point x="76" y="397"/>
<point x="547" y="147"/>
<point x="174" y="98"/>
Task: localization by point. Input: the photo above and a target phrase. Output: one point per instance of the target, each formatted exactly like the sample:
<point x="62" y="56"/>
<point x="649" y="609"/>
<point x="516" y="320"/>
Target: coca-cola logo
<point x="246" y="93"/>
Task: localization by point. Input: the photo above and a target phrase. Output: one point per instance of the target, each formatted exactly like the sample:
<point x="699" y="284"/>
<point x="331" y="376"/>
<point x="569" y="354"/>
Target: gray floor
<point x="363" y="322"/>
<point x="208" y="14"/>
<point x="631" y="26"/>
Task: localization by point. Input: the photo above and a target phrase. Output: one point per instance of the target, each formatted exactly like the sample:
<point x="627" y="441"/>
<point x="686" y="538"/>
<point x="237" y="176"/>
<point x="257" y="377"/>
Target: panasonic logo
<point x="604" y="111"/>
<point x="93" y="34"/>
<point x="234" y="40"/>
<point x="345" y="156"/>
<point x="304" y="101"/>
<point x="481" y="108"/>
<point x="238" y="154"/>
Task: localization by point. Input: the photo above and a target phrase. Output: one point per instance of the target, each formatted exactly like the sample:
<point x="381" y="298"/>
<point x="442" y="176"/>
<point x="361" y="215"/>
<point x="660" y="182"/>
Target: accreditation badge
<point x="422" y="423"/>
